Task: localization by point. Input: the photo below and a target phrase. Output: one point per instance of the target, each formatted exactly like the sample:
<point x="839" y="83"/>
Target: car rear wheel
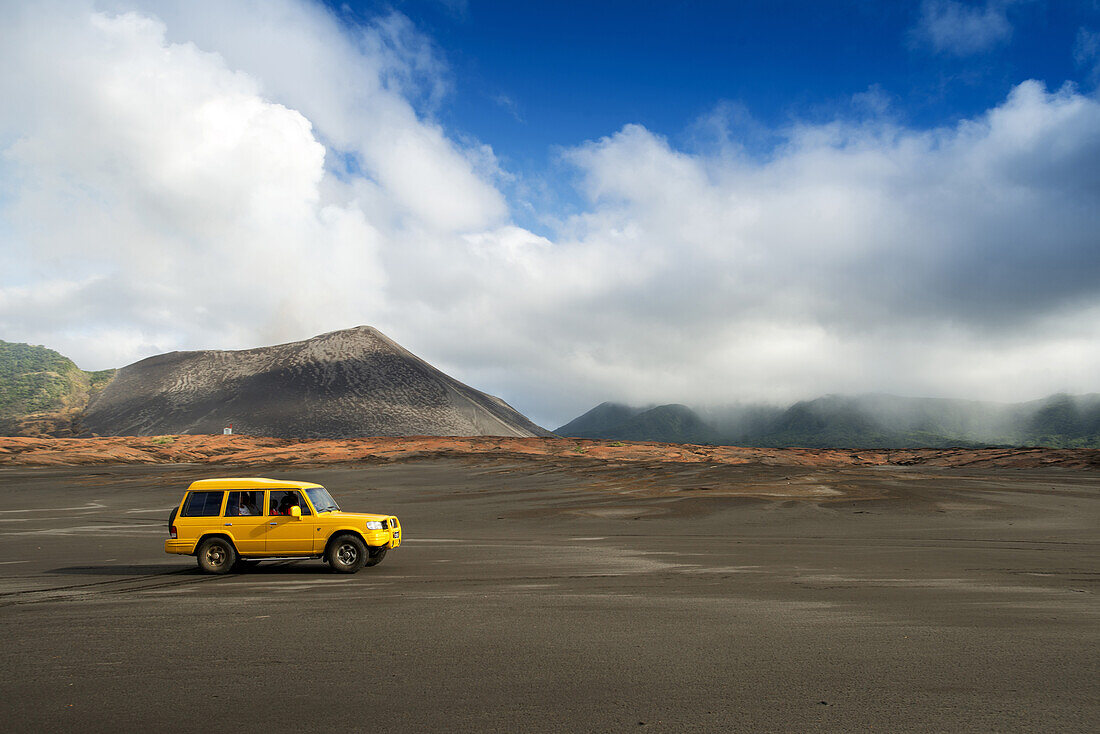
<point x="346" y="554"/>
<point x="216" y="555"/>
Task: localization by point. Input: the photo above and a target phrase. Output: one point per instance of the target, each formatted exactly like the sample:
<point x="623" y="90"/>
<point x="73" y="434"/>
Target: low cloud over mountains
<point x="868" y="421"/>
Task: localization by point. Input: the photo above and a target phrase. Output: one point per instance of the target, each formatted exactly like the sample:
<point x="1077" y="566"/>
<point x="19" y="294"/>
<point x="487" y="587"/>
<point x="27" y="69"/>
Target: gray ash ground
<point x="531" y="596"/>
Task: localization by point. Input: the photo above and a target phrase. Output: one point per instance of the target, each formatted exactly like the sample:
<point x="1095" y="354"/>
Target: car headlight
<point x="374" y="525"/>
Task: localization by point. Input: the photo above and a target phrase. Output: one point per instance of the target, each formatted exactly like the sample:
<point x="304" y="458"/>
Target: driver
<point x="289" y="500"/>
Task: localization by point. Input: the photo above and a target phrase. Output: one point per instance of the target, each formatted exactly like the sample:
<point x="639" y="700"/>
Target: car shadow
<point x="304" y="566"/>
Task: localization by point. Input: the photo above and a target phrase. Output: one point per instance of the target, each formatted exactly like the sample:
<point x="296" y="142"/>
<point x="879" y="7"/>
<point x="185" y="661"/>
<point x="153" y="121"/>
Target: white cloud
<point x="159" y="189"/>
<point x="355" y="87"/>
<point x="1086" y="51"/>
<point x="948" y="26"/>
<point x="176" y="176"/>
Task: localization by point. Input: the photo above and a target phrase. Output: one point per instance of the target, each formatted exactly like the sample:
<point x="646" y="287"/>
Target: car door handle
<point x="228" y="524"/>
<point x="273" y="523"/>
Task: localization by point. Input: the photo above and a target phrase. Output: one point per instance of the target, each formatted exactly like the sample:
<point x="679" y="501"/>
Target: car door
<point x="288" y="535"/>
<point x="245" y="520"/>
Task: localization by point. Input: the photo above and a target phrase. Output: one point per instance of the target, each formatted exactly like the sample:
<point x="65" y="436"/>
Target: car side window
<point x="283" y="500"/>
<point x="243" y="504"/>
<point x="203" y="504"/>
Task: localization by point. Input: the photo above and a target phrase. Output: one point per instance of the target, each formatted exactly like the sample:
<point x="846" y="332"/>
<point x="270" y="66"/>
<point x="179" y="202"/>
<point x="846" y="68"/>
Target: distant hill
<point x="599" y="421"/>
<point x="867" y="421"/>
<point x="355" y="382"/>
<point x="41" y="391"/>
<point x="879" y="421"/>
<point x="667" y="423"/>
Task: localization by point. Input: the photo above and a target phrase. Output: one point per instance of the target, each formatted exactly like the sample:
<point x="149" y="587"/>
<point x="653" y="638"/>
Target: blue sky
<point x="529" y="78"/>
<point x="563" y="204"/>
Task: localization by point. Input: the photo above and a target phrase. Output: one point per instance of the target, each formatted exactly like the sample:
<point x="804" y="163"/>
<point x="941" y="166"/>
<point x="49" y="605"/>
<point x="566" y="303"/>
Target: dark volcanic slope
<point x="355" y="382"/>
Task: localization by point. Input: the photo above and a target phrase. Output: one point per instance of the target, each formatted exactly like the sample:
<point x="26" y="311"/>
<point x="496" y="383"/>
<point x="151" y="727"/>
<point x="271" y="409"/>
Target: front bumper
<point x="377" y="538"/>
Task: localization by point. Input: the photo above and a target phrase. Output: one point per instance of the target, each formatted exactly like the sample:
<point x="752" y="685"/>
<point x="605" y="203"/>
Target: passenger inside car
<point x="250" y="503"/>
<point x="242" y="503"/>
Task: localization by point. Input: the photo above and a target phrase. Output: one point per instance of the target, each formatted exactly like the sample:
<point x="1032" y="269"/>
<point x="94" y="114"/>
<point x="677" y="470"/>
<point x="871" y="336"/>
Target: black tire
<point x="375" y="556"/>
<point x="216" y="555"/>
<point x="346" y="554"/>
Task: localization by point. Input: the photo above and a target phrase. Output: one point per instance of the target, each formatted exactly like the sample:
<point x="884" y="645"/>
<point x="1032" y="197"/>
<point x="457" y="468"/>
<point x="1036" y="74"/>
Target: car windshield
<point x="321" y="499"/>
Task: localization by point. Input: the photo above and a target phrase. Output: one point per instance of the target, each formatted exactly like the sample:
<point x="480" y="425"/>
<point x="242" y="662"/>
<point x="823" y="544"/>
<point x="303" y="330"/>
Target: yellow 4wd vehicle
<point x="228" y="523"/>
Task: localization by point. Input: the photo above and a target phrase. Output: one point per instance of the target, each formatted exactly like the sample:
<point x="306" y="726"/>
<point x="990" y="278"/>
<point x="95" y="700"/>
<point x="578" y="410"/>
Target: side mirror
<point x="296" y="512"/>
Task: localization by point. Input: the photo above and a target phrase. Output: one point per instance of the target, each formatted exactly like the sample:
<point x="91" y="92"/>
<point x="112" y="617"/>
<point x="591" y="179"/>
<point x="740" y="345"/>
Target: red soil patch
<point x="205" y="449"/>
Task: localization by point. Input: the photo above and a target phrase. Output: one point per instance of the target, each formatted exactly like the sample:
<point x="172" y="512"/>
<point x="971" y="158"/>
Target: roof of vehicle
<point x="249" y="483"/>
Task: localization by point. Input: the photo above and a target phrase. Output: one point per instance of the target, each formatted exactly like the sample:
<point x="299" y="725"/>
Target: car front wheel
<point x="216" y="555"/>
<point x="376" y="556"/>
<point x="346" y="554"/>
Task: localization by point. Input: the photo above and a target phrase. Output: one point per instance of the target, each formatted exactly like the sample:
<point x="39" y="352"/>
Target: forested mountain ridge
<point x="42" y="391"/>
<point x="867" y="421"/>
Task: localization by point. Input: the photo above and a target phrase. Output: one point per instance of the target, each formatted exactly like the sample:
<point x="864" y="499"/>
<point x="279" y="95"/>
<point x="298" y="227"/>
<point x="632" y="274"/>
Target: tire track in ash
<point x="79" y="592"/>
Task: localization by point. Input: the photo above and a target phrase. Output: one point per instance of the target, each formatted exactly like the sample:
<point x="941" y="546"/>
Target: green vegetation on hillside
<point x="37" y="380"/>
<point x="100" y="378"/>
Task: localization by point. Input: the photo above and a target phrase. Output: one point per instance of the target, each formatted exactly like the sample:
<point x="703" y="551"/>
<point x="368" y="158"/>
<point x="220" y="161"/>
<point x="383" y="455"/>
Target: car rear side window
<point x="240" y="504"/>
<point x="203" y="504"/>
